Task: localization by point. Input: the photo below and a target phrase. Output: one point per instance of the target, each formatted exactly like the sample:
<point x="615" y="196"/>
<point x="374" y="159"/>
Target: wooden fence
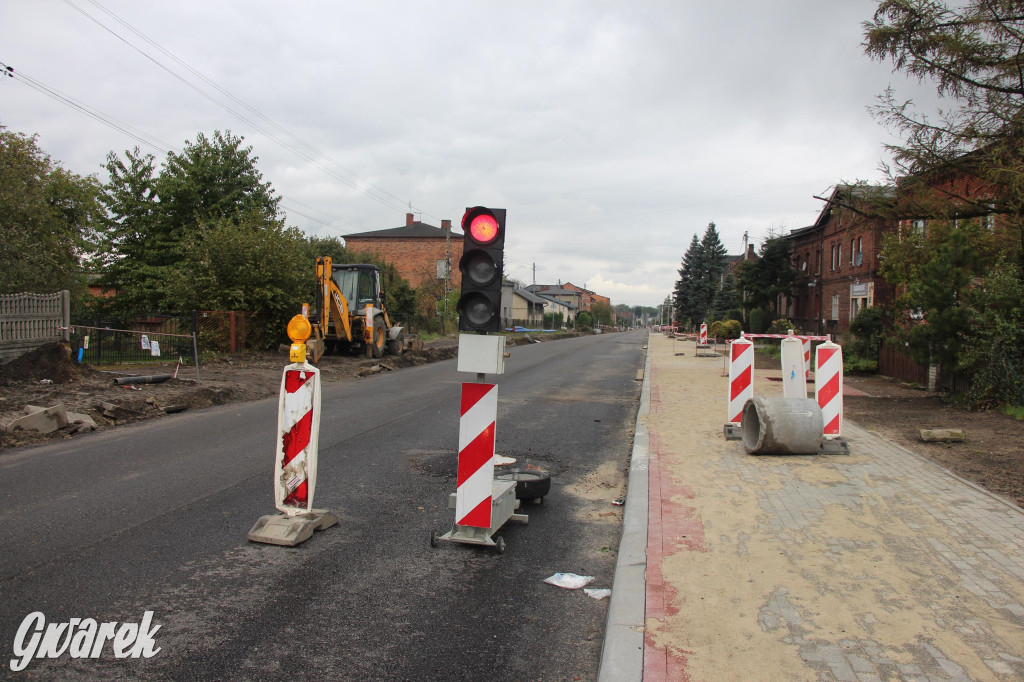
<point x="27" y="321"/>
<point x="894" y="362"/>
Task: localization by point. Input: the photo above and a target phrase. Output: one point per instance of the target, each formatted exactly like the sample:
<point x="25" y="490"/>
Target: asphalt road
<point x="153" y="517"/>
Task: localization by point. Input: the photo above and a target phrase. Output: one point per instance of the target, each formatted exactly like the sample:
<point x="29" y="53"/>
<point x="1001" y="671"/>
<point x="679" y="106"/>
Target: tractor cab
<point x="360" y="284"/>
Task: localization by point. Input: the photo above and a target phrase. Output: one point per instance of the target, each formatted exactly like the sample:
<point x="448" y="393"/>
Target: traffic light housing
<point x="483" y="250"/>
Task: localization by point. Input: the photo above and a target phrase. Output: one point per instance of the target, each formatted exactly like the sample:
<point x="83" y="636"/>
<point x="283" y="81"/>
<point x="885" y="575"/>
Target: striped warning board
<point x="298" y="428"/>
<point x="828" y="387"/>
<point x="479" y="409"/>
<point x="741" y="378"/>
<point x="703" y="339"/>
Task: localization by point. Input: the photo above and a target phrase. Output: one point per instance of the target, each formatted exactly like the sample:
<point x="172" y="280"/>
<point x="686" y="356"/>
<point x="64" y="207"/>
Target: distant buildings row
<point x="427" y="255"/>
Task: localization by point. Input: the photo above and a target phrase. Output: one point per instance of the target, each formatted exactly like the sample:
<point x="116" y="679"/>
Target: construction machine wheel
<point x="378" y="338"/>
<point x="397" y="345"/>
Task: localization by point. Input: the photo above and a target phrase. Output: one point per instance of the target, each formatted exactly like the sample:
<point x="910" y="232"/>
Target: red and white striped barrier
<point x="807" y="358"/>
<point x="785" y="336"/>
<point x="703" y="335"/>
<point x="298" y="429"/>
<point x="741" y="378"/>
<point x="828" y="387"/>
<point x="479" y="410"/>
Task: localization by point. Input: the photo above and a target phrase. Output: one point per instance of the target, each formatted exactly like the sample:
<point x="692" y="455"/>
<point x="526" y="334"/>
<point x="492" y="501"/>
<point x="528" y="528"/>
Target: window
<point x="853" y="251"/>
<point x="835" y="306"/>
<point x="839" y="257"/>
<point x="988" y="221"/>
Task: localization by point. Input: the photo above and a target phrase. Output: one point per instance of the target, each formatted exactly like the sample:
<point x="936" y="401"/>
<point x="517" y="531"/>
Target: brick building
<point x="837" y="264"/>
<point x="421" y="253"/>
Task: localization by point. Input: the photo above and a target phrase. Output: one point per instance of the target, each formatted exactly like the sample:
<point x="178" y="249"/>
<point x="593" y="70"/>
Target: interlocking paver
<point x="874" y="566"/>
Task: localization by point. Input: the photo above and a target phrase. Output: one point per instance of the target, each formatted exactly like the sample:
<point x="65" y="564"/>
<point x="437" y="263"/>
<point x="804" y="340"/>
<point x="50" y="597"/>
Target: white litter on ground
<point x="569" y="581"/>
<point x="598" y="593"/>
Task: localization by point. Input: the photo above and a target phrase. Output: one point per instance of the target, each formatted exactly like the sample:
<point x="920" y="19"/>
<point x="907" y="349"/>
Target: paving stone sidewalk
<point x="873" y="566"/>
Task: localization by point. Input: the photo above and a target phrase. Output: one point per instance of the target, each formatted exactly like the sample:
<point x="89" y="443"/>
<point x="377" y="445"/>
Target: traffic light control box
<point x="481" y="354"/>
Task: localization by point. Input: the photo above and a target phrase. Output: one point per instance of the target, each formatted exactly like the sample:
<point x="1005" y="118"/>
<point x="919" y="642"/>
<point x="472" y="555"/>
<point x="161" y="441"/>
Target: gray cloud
<point x="611" y="131"/>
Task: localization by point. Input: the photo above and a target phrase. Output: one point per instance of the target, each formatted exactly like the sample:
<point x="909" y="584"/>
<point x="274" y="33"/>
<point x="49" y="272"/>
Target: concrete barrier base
<point x="288" y="531"/>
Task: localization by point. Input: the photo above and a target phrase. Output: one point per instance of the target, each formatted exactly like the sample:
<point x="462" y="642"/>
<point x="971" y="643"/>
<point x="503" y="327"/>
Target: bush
<point x="782" y="326"/>
<point x="857" y="365"/>
<point x="759" y="321"/>
<point x="725" y="329"/>
<point x="867" y="329"/>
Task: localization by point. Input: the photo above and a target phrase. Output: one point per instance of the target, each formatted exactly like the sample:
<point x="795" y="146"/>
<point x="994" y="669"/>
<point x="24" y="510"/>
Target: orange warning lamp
<point x="299" y="330"/>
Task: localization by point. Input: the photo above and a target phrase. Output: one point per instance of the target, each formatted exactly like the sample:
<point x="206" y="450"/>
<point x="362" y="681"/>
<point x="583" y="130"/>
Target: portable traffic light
<point x="481" y="265"/>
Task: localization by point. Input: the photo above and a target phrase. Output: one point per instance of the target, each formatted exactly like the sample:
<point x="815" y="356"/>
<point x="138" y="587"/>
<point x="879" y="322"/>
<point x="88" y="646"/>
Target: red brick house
<point x="420" y="252"/>
<point x="837" y="264"/>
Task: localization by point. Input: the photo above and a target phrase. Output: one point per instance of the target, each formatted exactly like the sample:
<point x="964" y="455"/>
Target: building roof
<point x="525" y="292"/>
<point x="553" y="290"/>
<point x="552" y="299"/>
<point x="416" y="230"/>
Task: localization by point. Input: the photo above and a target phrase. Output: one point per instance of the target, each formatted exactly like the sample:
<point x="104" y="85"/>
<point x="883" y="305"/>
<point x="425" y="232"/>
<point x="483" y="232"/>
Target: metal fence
<point x="30" y="320"/>
<point x="150" y="339"/>
<point x="223" y="331"/>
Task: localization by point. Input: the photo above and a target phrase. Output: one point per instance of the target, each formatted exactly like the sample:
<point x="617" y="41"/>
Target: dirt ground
<point x="992" y="456"/>
<point x="47" y="377"/>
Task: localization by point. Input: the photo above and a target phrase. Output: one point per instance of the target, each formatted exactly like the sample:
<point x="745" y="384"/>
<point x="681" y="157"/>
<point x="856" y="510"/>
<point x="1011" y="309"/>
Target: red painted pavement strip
<point x="669" y="529"/>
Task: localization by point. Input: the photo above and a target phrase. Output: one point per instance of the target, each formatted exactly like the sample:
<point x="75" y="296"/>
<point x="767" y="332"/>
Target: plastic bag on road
<point x="598" y="593"/>
<point x="569" y="581"/>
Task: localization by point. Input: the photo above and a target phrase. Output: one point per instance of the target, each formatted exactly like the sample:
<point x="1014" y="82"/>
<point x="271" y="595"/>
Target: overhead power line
<point x="305" y="151"/>
<point x="148" y="140"/>
<point x="131" y="131"/>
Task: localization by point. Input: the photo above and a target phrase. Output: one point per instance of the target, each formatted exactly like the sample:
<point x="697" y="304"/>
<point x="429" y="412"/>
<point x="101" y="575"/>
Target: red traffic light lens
<point x="484" y="228"/>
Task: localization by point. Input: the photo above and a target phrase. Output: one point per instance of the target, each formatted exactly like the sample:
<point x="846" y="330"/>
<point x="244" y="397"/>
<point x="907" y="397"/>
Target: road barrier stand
<point x="482" y="504"/>
<point x="828" y="389"/>
<point x="828" y="384"/>
<point x="298" y="432"/>
<point x="741" y="385"/>
<point x="794" y="380"/>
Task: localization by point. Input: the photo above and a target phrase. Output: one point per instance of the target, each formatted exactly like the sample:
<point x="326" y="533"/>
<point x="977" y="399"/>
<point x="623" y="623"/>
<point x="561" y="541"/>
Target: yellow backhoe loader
<point x="350" y="313"/>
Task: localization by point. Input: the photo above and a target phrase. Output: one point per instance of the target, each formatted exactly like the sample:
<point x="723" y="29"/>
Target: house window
<point x="839" y="257"/>
<point x="860" y="251"/>
<point x="835" y="306"/>
<point x="988" y="221"/>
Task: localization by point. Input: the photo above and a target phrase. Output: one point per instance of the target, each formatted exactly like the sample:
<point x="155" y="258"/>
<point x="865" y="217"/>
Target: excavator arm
<point x="331" y="306"/>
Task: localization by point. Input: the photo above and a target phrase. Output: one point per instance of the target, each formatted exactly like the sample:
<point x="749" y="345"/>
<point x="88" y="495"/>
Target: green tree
<point x="974" y="54"/>
<point x="940" y="292"/>
<point x="686" y="307"/>
<point x="700" y="278"/>
<point x="248" y="265"/>
<point x="151" y="216"/>
<point x="769" y="276"/>
<point x="48" y="217"/>
<point x="602" y="313"/>
<point x="996" y="360"/>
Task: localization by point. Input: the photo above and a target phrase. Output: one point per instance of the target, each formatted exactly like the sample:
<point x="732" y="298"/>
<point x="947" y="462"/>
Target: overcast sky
<point x="611" y="131"/>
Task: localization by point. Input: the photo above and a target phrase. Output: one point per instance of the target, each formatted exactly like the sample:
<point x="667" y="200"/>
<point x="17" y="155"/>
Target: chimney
<point x="409" y="219"/>
<point x="750" y="252"/>
<point x="446" y="226"/>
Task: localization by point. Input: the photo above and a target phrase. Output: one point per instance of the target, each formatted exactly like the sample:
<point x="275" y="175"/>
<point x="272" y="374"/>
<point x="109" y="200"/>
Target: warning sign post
<point x="298" y="431"/>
